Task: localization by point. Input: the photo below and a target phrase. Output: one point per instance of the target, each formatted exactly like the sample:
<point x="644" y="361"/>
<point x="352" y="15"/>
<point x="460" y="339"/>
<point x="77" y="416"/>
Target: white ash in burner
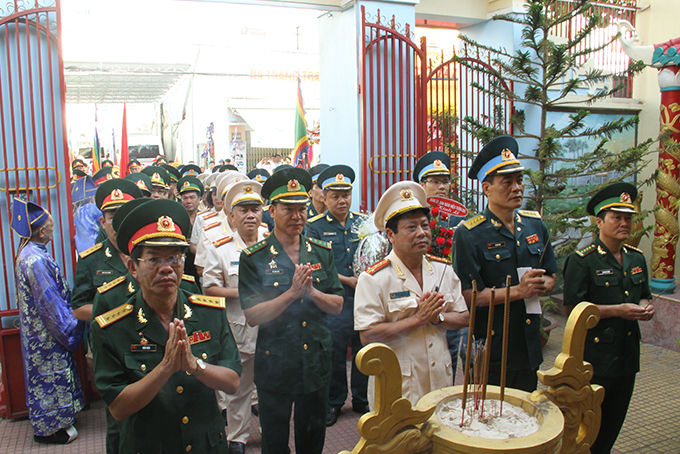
<point x="514" y="423"/>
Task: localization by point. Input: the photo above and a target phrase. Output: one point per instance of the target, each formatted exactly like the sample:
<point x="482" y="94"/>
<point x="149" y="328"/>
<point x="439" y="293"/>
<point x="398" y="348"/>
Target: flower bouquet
<point x="442" y="235"/>
<point x="373" y="246"/>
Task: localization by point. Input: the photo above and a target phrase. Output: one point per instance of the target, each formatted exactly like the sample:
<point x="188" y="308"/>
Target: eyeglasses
<point x="438" y="182"/>
<point x="158" y="262"/>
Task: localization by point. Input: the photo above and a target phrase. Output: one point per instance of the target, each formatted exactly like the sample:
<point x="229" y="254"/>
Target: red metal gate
<point x="34" y="162"/>
<point x="411" y="105"/>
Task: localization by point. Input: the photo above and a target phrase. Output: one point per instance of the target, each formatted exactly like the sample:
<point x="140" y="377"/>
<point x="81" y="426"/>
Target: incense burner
<point x="568" y="411"/>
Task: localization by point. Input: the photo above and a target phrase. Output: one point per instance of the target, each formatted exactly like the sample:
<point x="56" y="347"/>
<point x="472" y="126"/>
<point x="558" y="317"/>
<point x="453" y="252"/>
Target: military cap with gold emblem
<point x="134" y="166"/>
<point x="191" y="169"/>
<point x="226" y="179"/>
<point x="496" y="158"/>
<point x="106" y="173"/>
<point x="189" y="183"/>
<point x="143" y="182"/>
<point x="259" y="175"/>
<point x="173" y="173"/>
<point x="290" y="185"/>
<point x="107" y="163"/>
<point x="124" y="210"/>
<point x="245" y="192"/>
<point x="160" y="160"/>
<point x="315" y="171"/>
<point x="159" y="177"/>
<point x="432" y="163"/>
<point x="400" y="198"/>
<point x="158" y="222"/>
<point x="615" y="197"/>
<point x="112" y="194"/>
<point x="78" y="163"/>
<point x="338" y="177"/>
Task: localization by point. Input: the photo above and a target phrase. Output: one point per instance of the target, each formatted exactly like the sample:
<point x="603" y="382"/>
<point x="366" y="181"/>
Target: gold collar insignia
<point x="140" y="316"/>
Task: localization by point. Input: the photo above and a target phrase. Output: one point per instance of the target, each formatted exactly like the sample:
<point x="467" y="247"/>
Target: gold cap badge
<point x="625" y="198"/>
<point x="293" y="186"/>
<point x="165" y="224"/>
<point x="406" y="195"/>
<point x="506" y="154"/>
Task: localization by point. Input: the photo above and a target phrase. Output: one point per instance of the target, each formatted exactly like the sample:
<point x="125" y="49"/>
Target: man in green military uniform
<point x="494" y="245"/>
<point x="614" y="276"/>
<point x="335" y="227"/>
<point x="287" y="284"/>
<point x="159" y="357"/>
<point x="160" y="181"/>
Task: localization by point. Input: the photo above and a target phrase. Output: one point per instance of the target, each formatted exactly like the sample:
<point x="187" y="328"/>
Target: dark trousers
<point x="342" y="331"/>
<point x="617" y="394"/>
<point x="453" y="337"/>
<point x="525" y="379"/>
<point x="309" y="420"/>
<point x="112" y="433"/>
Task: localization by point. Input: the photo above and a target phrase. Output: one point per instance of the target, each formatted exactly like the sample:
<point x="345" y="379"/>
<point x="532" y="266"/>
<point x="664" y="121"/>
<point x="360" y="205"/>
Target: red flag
<point x="124" y="156"/>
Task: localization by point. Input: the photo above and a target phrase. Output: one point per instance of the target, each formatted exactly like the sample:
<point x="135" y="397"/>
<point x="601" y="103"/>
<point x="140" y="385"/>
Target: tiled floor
<point x="652" y="425"/>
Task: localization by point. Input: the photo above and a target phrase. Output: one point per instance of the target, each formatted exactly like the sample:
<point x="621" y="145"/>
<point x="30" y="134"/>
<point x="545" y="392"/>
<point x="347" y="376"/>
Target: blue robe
<point x="86" y="220"/>
<point x="49" y="335"/>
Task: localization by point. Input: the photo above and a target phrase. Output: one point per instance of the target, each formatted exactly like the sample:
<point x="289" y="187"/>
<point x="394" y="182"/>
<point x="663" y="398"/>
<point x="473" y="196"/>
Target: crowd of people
<point x="239" y="296"/>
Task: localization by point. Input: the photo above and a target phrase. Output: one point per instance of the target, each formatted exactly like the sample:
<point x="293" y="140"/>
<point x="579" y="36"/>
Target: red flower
<point x="446" y="252"/>
<point x="429" y="251"/>
<point x="450" y="233"/>
<point x="435" y="211"/>
<point x="440" y="241"/>
<point x="433" y="224"/>
<point x="442" y="231"/>
<point x="449" y="242"/>
<point x="444" y="216"/>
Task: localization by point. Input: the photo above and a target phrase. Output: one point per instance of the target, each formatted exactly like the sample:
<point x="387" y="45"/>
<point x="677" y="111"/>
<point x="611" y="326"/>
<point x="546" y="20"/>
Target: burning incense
<point x="547" y="242"/>
<point x="506" y="321"/>
<point x="468" y="350"/>
<point x="487" y="346"/>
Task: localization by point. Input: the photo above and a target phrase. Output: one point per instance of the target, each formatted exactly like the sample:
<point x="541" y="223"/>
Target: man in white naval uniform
<point x="409" y="299"/>
<point x="220" y="278"/>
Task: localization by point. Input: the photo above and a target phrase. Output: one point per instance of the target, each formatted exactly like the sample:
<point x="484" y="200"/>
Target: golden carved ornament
<point x="668" y="183"/>
<point x="670" y="119"/>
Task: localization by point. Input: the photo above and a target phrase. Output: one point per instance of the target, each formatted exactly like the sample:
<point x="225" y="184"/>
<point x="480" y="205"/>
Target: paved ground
<point x="652" y="426"/>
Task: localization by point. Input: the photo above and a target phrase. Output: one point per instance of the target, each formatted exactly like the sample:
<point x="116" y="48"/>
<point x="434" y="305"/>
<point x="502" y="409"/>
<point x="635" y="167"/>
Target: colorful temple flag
<point x="96" y="158"/>
<point x="301" y="149"/>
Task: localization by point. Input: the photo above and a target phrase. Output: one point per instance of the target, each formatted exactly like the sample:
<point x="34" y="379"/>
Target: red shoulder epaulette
<point x="377" y="266"/>
<point x="210" y="226"/>
<point x="211" y="215"/>
<point x="222" y="241"/>
<point x="434" y="258"/>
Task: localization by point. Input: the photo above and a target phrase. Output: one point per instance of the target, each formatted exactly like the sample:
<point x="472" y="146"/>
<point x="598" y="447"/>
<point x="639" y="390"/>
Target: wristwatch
<point x="200" y="368"/>
<point x="441" y="319"/>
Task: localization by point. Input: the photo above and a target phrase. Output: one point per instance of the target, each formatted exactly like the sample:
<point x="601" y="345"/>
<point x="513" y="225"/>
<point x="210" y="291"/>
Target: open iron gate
<point x="34" y="163"/>
<point x="409" y="104"/>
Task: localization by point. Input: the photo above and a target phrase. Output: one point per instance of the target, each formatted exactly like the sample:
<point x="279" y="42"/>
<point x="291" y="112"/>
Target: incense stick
<point x="487" y="352"/>
<point x="506" y="322"/>
<point x="658" y="295"/>
<point x="468" y="350"/>
<point x="545" y="246"/>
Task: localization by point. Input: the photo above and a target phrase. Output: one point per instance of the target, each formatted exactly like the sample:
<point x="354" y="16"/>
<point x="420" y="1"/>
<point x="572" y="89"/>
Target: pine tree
<point x="546" y="72"/>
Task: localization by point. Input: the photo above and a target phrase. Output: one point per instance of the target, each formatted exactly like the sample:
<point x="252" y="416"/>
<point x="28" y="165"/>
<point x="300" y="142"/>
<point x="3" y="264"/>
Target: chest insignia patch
<point x="233" y="263"/>
<point x="104" y="272"/>
<point x="600" y="250"/>
<point x="142" y="348"/>
<point x="187" y="312"/>
<point x="330" y="233"/>
<point x="532" y="239"/>
<point x="604" y="272"/>
<point x="397" y="295"/>
<point x="636" y="270"/>
<point x="273" y="271"/>
<point x="316" y="266"/>
<point x="198" y="337"/>
<point x="495" y="245"/>
<point x="272" y="264"/>
<point x="107" y="252"/>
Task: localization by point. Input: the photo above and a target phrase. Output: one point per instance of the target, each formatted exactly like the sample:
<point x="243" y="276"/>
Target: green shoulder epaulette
<point x="323" y="244"/>
<point x="633" y="248"/>
<point x="89" y="251"/>
<point x="211" y="215"/>
<point x="222" y="241"/>
<point x="255" y="247"/>
<point x="531" y="214"/>
<point x="114" y="315"/>
<point x="210" y="226"/>
<point x="377" y="266"/>
<point x="585" y="251"/>
<point x="318" y="216"/>
<point x="109" y="285"/>
<point x="210" y="301"/>
<point x="188" y="278"/>
<point x="438" y="259"/>
<point x="474" y="222"/>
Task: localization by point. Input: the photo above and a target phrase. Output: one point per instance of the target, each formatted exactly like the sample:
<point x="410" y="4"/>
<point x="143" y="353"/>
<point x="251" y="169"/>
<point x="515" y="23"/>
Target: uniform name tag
<point x="199" y="336"/>
<point x="233" y="263"/>
<point x="604" y="272"/>
<point x="330" y="233"/>
<point x="532" y="239"/>
<point x="104" y="272"/>
<point x="636" y="270"/>
<point x="397" y="295"/>
<point x="138" y="348"/>
<point x="276" y="271"/>
<point x="495" y="245"/>
<point x="316" y="266"/>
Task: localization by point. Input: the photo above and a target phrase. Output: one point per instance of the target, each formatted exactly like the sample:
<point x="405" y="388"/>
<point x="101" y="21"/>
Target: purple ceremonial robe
<point x="49" y="335"/>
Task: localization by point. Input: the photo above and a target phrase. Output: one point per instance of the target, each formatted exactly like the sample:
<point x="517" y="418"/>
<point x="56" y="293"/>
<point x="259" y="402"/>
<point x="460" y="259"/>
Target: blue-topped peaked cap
<point x="432" y="163"/>
<point x="290" y="185"/>
<point x="315" y="171"/>
<point x="190" y="169"/>
<point x="615" y="197"/>
<point x="400" y="198"/>
<point x="27" y="217"/>
<point x="83" y="188"/>
<point x="339" y="177"/>
<point x="259" y="175"/>
<point x="499" y="156"/>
